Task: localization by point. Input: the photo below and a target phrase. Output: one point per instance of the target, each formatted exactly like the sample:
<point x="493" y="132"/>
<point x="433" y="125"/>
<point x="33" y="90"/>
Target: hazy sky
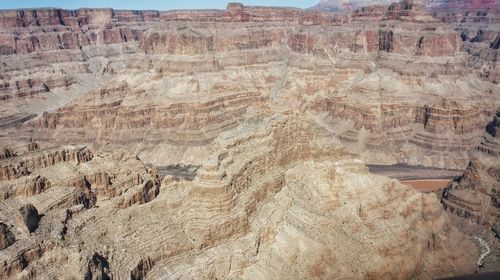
<point x="148" y="4"/>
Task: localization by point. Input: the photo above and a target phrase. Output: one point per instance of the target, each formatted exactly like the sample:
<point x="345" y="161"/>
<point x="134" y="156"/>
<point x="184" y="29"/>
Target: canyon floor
<point x="250" y="143"/>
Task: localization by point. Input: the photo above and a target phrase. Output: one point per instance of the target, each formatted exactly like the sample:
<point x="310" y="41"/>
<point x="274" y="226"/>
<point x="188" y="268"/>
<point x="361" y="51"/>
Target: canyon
<point x="276" y="193"/>
<point x="249" y="143"/>
<point x="367" y="89"/>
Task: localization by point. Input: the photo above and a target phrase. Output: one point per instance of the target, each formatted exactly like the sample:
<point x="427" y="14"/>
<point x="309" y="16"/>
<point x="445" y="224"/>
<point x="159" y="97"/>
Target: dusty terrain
<point x="277" y="198"/>
<point x="474" y="197"/>
<point x="399" y="90"/>
<point x="209" y="144"/>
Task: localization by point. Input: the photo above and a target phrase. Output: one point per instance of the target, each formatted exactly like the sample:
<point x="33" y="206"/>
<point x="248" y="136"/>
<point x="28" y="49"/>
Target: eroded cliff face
<point x="261" y="101"/>
<point x="475" y="196"/>
<point x="391" y="82"/>
<point x="61" y="183"/>
<point x="277" y="198"/>
<point x="479" y="27"/>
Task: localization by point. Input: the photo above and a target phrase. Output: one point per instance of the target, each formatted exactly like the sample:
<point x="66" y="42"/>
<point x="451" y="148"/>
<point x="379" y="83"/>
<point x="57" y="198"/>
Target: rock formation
<point x="276" y="198"/>
<point x="479" y="28"/>
<point x="232" y="143"/>
<point x="347" y="5"/>
<point x="98" y="268"/>
<point x="457" y="5"/>
<point x="7" y="238"/>
<point x="375" y="76"/>
<point x="60" y="192"/>
<point x="30" y="217"/>
<point x="5" y="153"/>
<point x="21" y="166"/>
<point x="475" y="196"/>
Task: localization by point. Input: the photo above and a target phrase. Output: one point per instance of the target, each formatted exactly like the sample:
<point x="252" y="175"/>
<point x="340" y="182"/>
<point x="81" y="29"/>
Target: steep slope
<point x="391" y="82"/>
<point x="277" y="198"/>
<point x="479" y="28"/>
<point x="474" y="197"/>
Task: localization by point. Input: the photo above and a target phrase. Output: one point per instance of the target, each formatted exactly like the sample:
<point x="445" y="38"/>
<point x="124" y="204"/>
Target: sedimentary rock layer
<point x="277" y="198"/>
<point x="53" y="193"/>
<point x="250" y="101"/>
<point x="475" y="195"/>
<point x="376" y="76"/>
<point x="479" y="28"/>
<point x="16" y="167"/>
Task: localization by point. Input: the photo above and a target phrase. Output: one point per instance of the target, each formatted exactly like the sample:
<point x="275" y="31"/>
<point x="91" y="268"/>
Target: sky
<point x="161" y="5"/>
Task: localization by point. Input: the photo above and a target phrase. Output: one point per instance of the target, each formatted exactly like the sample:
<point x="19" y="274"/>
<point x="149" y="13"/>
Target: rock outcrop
<point x="30" y="217"/>
<point x="63" y="191"/>
<point x="475" y="196"/>
<point x="5" y="153"/>
<point x="395" y="73"/>
<point x="98" y="268"/>
<point x="24" y="165"/>
<point x="144" y="193"/>
<point x="479" y="27"/>
<point x="277" y="198"/>
<point x="260" y="120"/>
<point x="7" y="238"/>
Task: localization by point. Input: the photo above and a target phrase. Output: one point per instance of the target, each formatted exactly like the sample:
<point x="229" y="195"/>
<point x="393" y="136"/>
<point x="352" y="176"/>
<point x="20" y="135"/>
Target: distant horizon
<point x="164" y="5"/>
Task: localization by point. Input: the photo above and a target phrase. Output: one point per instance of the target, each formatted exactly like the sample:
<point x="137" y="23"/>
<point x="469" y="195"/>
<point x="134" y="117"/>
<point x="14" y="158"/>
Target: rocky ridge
<point x="52" y="195"/>
<point x="475" y="196"/>
<point x="479" y="27"/>
<point x="299" y="202"/>
<point x="264" y="110"/>
<point x="367" y="88"/>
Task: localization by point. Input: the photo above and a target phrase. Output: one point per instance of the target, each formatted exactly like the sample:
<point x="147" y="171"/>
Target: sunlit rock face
<point x="392" y="82"/>
<point x="350" y="5"/>
<point x="277" y="198"/>
<point x="232" y="143"/>
<point x="347" y="5"/>
<point x="475" y="196"/>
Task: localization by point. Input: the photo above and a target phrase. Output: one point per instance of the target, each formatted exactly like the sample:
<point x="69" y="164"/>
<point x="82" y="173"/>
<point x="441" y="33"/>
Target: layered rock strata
<point x="54" y="194"/>
<point x="277" y="198"/>
<point x="391" y="82"/>
<point x="15" y="167"/>
<point x="479" y="28"/>
<point x="475" y="196"/>
<point x="244" y="195"/>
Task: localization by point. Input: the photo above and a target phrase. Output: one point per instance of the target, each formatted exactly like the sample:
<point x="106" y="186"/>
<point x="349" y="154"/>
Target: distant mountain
<point x="463" y="4"/>
<point x="349" y="5"/>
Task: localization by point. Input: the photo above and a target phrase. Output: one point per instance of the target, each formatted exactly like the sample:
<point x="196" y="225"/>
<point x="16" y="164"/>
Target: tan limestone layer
<point x="277" y="198"/>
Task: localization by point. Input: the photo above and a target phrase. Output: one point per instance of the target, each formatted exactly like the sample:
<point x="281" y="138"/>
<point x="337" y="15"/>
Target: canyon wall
<point x="479" y="28"/>
<point x="475" y="196"/>
<point x="264" y="118"/>
<point x="277" y="198"/>
<point x="391" y="82"/>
